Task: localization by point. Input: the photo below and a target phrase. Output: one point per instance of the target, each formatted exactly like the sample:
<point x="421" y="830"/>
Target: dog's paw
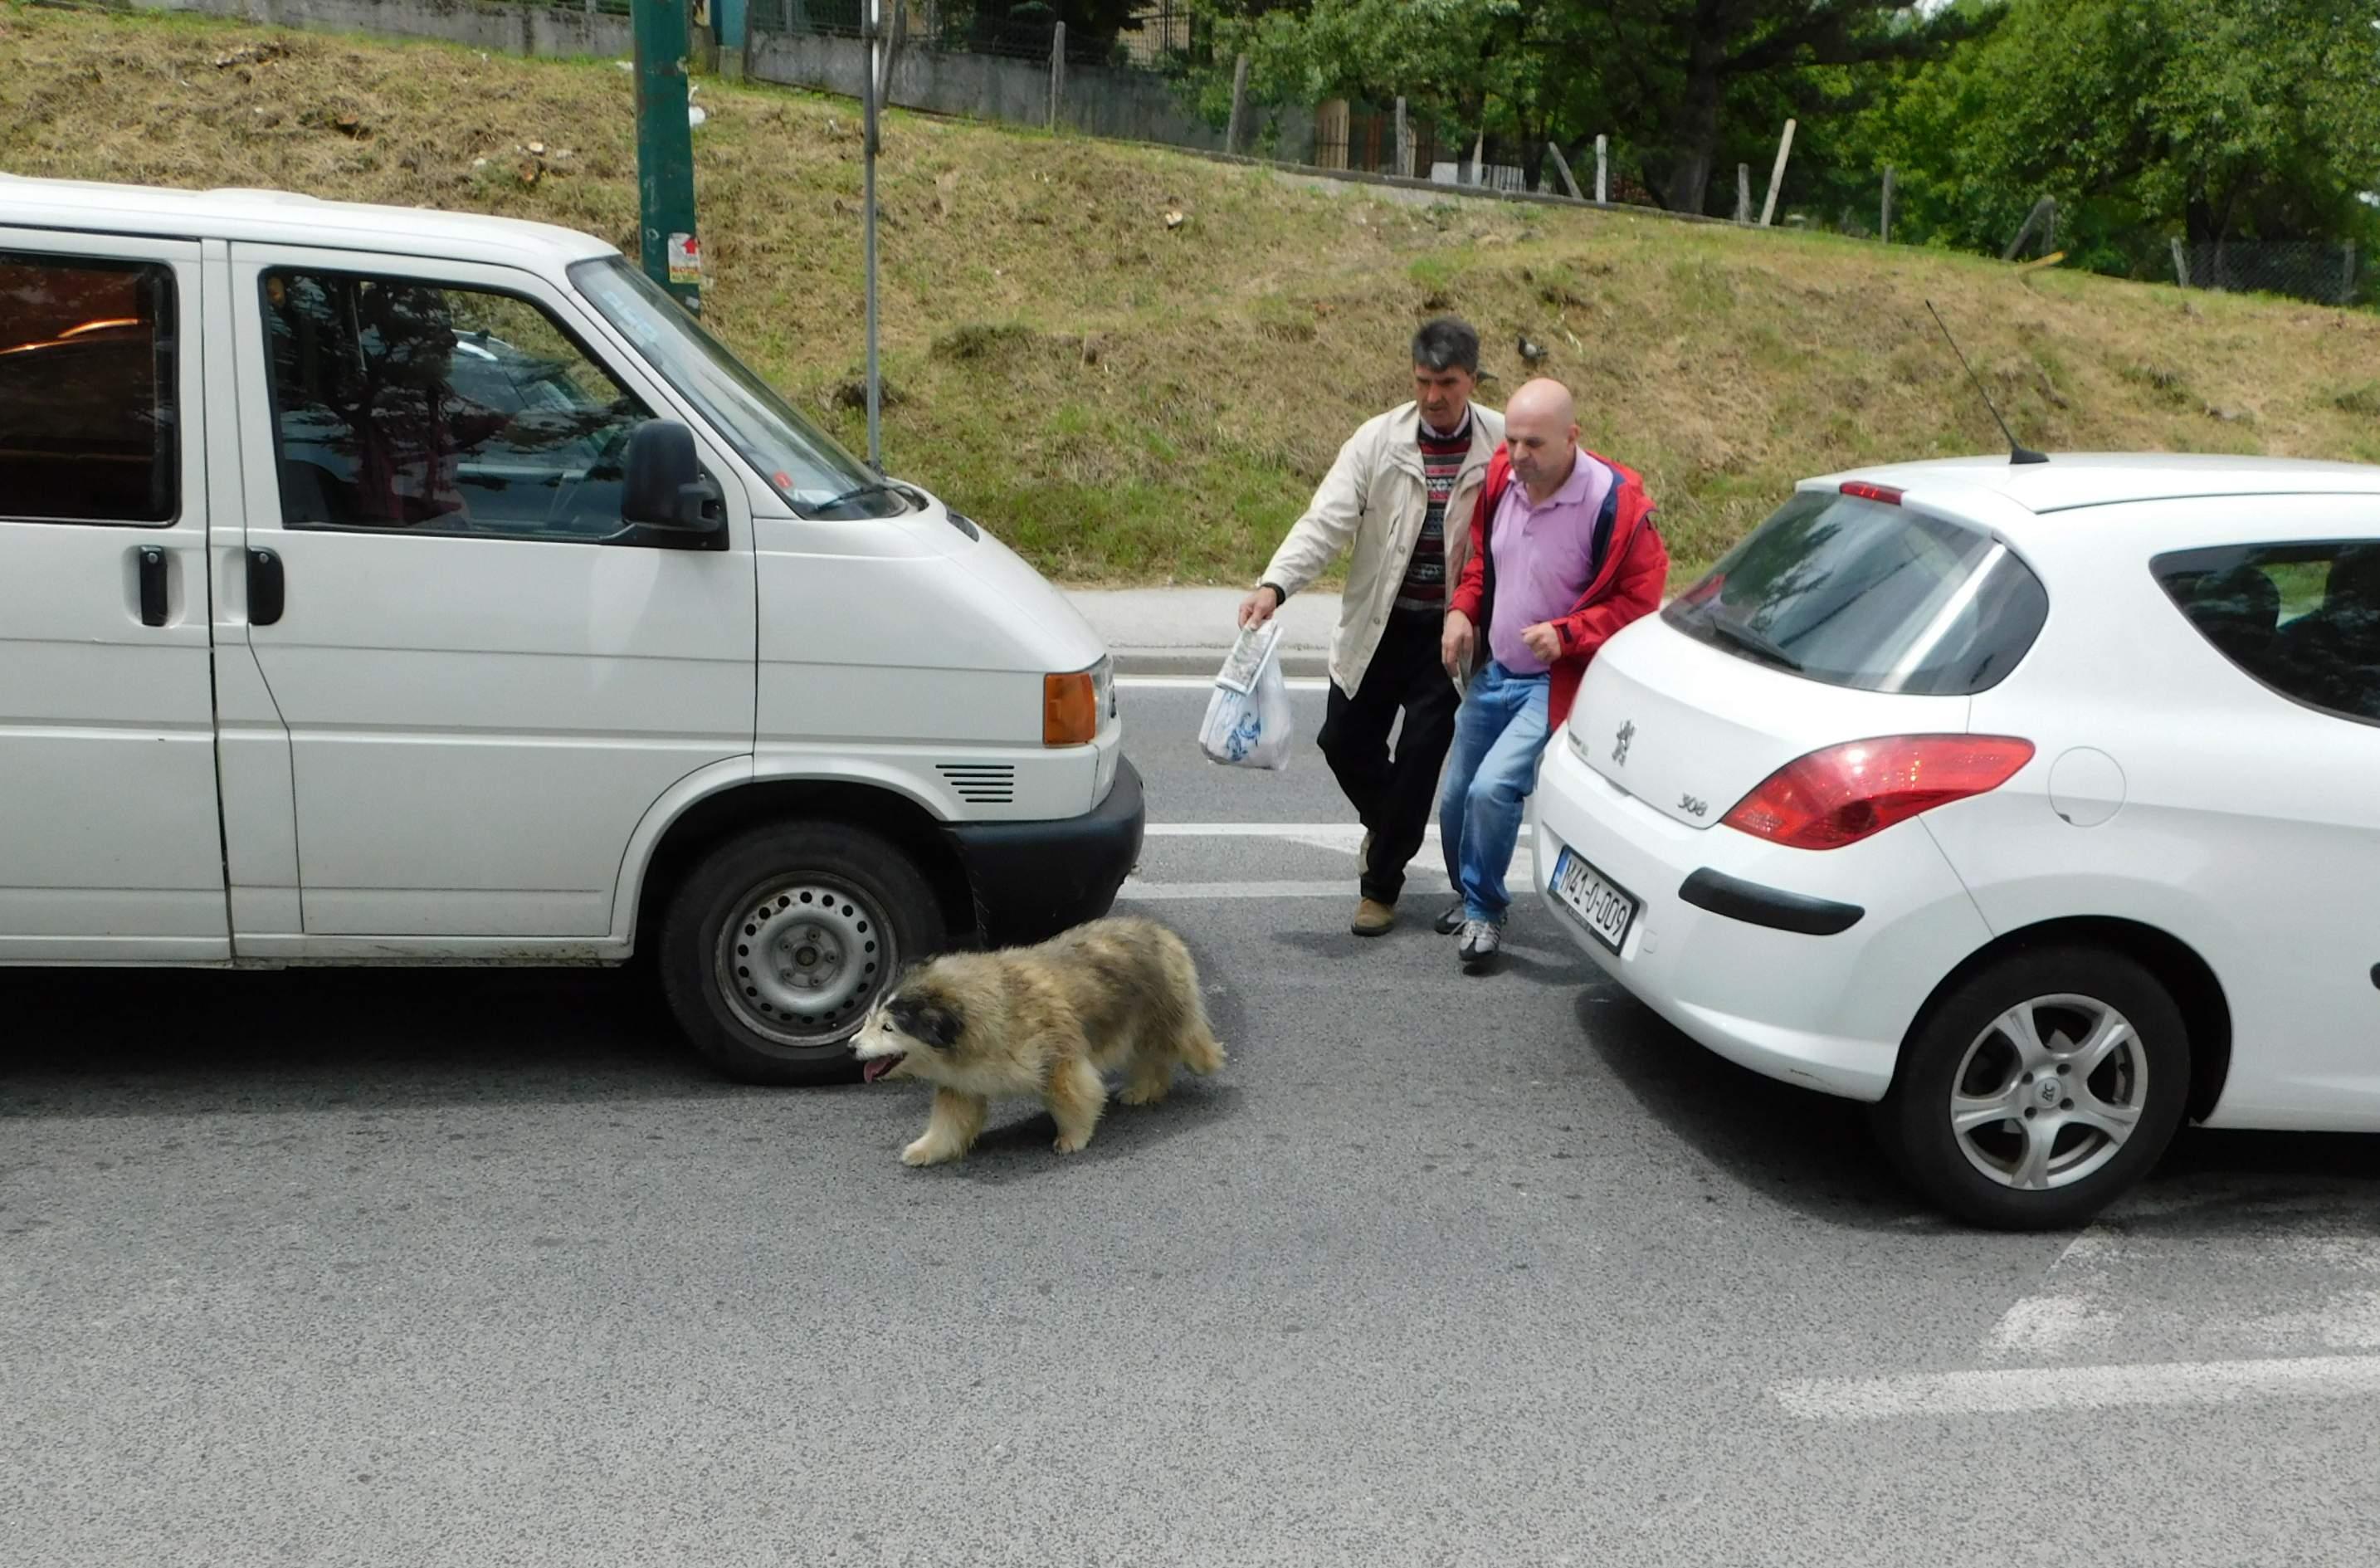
<point x="1070" y="1143"/>
<point x="1144" y="1094"/>
<point x="926" y="1151"/>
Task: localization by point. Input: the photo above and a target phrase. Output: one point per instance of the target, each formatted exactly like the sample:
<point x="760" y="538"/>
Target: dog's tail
<point x="1198" y="1045"/>
<point x="1199" y="1050"/>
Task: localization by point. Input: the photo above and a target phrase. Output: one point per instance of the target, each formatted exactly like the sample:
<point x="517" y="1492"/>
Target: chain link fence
<point x="2319" y="271"/>
<point x="1157" y="38"/>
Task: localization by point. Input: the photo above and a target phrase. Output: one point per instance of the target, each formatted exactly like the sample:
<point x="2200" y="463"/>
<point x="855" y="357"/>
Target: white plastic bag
<point x="1247" y="722"/>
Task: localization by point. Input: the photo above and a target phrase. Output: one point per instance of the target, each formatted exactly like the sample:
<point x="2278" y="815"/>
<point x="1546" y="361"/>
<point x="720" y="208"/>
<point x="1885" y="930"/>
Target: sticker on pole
<point x="685" y="258"/>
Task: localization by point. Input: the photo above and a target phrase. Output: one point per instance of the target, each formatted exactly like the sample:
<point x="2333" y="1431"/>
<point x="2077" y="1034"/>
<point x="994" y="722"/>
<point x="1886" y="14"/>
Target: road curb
<point x="1206" y="662"/>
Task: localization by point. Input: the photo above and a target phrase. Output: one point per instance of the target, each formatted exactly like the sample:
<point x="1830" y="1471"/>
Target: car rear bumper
<point x="1805" y="967"/>
<point x="1031" y="880"/>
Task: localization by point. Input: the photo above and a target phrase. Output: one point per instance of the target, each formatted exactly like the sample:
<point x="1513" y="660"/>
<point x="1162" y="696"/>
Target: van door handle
<point x="267" y="591"/>
<point x="152" y="585"/>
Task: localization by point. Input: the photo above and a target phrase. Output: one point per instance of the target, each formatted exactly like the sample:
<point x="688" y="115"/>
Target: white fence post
<point x="1777" y="175"/>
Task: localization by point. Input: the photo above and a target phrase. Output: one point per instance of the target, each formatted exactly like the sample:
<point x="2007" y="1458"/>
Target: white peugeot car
<point x="2036" y="804"/>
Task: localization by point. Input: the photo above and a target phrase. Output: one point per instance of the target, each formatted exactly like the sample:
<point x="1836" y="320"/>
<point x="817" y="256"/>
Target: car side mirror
<point x="664" y="486"/>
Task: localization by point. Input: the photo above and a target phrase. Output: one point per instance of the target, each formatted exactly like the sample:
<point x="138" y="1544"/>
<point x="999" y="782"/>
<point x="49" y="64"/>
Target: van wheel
<point x="780" y="942"/>
<point x="2040" y="1090"/>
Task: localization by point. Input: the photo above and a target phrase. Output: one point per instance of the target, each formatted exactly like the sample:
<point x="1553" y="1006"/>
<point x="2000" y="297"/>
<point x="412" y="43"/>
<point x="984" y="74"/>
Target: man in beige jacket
<point x="1401" y="493"/>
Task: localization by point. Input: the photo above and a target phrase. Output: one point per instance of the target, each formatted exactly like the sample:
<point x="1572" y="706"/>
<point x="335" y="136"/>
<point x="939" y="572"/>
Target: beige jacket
<point x="1375" y="495"/>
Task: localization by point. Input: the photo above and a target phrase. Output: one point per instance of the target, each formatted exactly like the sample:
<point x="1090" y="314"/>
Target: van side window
<point x="2305" y="619"/>
<point x="88" y="432"/>
<point x="408" y="406"/>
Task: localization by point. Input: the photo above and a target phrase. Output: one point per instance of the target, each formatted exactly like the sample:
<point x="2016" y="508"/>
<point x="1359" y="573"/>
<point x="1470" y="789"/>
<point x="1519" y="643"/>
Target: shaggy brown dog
<point x="1045" y="1021"/>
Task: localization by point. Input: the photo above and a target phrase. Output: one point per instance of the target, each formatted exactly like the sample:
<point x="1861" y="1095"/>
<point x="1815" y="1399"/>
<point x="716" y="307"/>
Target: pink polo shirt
<point x="1544" y="557"/>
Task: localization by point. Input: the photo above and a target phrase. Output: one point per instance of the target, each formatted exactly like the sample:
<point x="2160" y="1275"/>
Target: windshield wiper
<point x="1753" y="641"/>
<point x="876" y="488"/>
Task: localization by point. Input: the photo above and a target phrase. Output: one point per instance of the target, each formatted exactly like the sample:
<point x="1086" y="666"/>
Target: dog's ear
<point x="939" y="1023"/>
<point x="931" y="1020"/>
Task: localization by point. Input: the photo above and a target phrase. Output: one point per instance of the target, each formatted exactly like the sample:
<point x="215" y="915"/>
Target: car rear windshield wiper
<point x="1757" y="642"/>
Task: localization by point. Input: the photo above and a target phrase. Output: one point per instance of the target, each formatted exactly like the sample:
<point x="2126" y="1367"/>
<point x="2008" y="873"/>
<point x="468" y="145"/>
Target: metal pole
<point x="873" y="32"/>
<point x="1239" y="105"/>
<point x="1602" y="171"/>
<point x="1397" y="161"/>
<point x="1887" y="225"/>
<point x="1057" y="72"/>
<point x="671" y="253"/>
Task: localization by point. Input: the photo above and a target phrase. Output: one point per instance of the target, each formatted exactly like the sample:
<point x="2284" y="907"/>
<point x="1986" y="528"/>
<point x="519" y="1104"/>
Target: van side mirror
<point x="664" y="487"/>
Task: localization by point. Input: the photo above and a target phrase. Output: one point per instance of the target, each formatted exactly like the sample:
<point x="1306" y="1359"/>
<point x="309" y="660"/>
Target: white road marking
<point x="2010" y="1390"/>
<point x="1179" y="892"/>
<point x="1206" y="682"/>
<point x="2063" y="1315"/>
<point x="1335" y="836"/>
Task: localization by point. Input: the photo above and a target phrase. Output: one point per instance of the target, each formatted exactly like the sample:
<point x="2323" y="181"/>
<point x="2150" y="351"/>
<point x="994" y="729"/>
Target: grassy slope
<point x="1127" y="403"/>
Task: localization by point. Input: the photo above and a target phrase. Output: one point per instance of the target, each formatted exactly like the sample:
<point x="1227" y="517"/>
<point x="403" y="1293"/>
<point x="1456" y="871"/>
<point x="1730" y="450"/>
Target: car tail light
<point x="1070" y="710"/>
<point x="1888" y="494"/>
<point x="1847" y="793"/>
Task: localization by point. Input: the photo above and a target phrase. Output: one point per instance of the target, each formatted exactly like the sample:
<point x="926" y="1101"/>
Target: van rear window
<point x="1870" y="595"/>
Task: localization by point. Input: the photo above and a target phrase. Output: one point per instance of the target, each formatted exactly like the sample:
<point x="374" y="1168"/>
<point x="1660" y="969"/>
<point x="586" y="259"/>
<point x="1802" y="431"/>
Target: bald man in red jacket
<point x="1563" y="553"/>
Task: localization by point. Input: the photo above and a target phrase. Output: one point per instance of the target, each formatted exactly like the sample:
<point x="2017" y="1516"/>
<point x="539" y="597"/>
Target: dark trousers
<point x="1394" y="795"/>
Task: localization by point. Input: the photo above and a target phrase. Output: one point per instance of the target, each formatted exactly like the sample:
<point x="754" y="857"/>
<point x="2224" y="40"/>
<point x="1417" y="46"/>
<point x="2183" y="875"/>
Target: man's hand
<point x="1259" y="606"/>
<point x="1454" y="643"/>
<point x="1542" y="641"/>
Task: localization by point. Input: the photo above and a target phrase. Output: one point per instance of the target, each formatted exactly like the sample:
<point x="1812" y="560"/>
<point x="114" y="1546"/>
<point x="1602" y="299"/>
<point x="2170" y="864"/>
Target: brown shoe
<point x="1374" y="918"/>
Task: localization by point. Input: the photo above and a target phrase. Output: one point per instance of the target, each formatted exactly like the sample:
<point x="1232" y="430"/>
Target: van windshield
<point x="816" y="477"/>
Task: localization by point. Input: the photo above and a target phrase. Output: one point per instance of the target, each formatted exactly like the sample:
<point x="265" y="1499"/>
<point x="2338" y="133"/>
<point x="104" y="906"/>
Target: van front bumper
<point x="1031" y="880"/>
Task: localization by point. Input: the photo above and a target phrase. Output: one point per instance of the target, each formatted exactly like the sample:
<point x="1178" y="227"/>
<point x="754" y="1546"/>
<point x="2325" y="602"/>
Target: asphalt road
<point x="476" y="1268"/>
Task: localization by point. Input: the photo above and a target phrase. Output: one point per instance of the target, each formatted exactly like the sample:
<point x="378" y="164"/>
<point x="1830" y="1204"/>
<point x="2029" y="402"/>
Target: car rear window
<point x="1867" y="594"/>
<point x="2303" y="618"/>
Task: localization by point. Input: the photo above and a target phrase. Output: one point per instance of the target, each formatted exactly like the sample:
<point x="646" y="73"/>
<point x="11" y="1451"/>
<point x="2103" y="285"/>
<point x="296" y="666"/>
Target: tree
<point x="1024" y="26"/>
<point x="1681" y="62"/>
<point x="2217" y="119"/>
<point x="1657" y="73"/>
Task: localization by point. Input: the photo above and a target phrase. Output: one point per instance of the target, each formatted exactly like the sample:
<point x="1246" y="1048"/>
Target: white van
<point x="382" y="586"/>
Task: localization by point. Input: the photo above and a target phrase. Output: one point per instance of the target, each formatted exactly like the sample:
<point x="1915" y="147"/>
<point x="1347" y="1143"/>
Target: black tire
<point x="1964" y="1044"/>
<point x="839" y="906"/>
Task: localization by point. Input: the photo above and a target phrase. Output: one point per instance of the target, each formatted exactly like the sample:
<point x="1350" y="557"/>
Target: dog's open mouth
<point x="876" y="1067"/>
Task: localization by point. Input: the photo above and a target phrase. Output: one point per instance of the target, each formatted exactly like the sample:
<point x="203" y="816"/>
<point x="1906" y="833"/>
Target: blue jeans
<point x="1499" y="733"/>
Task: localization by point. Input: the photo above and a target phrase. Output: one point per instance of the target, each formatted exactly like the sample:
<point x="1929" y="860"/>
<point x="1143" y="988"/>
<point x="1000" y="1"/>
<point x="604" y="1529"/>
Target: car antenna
<point x="2018" y="451"/>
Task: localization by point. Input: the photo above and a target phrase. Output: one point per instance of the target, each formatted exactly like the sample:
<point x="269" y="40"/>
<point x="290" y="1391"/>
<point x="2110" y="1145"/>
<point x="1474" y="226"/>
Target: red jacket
<point x="1634" y="568"/>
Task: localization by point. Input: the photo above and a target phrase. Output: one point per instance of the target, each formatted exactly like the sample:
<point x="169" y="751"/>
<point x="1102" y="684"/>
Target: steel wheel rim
<point x="2049" y="1092"/>
<point x="799" y="959"/>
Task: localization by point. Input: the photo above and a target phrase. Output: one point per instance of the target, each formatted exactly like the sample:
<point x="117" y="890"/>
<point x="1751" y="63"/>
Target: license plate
<point x="1602" y="907"/>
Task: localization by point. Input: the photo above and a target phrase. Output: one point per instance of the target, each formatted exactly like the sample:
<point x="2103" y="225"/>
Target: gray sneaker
<point x="1480" y="940"/>
<point x="1449" y="922"/>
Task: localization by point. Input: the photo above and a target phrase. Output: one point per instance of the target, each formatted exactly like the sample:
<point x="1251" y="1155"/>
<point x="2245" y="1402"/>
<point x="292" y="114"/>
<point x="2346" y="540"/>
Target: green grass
<point x="1130" y="403"/>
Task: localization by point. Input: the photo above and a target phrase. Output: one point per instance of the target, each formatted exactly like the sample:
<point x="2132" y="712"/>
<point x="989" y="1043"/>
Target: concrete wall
<point x="550" y="30"/>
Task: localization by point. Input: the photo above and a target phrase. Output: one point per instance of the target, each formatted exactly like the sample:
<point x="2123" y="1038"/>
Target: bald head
<point x="1541" y="400"/>
<point x="1541" y="429"/>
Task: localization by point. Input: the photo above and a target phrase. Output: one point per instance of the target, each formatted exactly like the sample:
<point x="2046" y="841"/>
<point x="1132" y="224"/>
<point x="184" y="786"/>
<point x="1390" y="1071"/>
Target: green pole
<point x="671" y="255"/>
